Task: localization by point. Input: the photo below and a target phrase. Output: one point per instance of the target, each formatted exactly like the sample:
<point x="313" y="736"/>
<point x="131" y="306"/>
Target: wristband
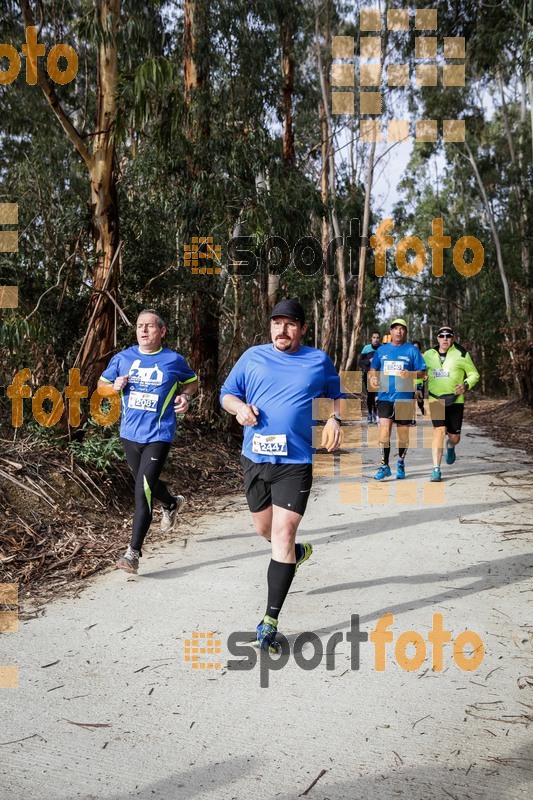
<point x="335" y="417"/>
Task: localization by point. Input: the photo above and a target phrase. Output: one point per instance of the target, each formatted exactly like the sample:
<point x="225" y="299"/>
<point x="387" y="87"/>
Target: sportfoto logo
<point x="32" y="50"/>
<point x="239" y="645"/>
<point x="375" y="75"/>
<point x="245" y="257"/>
<point x="74" y="393"/>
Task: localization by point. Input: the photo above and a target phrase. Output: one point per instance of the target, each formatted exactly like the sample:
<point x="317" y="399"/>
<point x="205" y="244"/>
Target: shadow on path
<point x="369" y="527"/>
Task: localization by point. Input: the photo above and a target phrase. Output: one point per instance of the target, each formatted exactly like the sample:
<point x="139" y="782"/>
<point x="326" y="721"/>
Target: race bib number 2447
<point x="273" y="445"/>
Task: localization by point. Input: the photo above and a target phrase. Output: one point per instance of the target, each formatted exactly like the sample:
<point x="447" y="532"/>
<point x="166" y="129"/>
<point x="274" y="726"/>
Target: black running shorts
<point x="451" y="416"/>
<point x="284" y="485"/>
<point x="402" y="412"/>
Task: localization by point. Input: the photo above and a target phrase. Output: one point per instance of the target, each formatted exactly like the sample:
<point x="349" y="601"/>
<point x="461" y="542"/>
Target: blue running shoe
<point x="306" y="551"/>
<point x="450" y="455"/>
<point x="400" y="471"/>
<point x="383" y="472"/>
<point x="266" y="635"/>
<point x="435" y="475"/>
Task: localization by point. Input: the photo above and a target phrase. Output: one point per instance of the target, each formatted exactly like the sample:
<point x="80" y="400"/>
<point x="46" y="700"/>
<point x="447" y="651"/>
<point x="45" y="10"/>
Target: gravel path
<point x="108" y="707"/>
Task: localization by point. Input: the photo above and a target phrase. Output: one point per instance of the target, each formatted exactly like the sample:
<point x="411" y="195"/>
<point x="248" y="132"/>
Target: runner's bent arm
<point x="472" y="375"/>
<point x="332" y="435"/>
<point x="373" y="378"/>
<point x="190" y="388"/>
<point x="181" y="403"/>
<point x="107" y="388"/>
<point x="246" y="413"/>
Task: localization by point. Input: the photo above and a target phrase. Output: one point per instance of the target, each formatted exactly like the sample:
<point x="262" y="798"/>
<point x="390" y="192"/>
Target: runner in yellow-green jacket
<point x="451" y="372"/>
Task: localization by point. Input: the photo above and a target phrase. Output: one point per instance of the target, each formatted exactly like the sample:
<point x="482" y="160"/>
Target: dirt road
<point x="108" y="707"/>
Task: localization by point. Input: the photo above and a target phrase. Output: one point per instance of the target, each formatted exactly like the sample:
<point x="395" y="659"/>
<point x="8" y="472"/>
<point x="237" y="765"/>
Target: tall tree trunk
<point x="104" y="206"/>
<point x="326" y="337"/>
<point x="359" y="297"/>
<point x="323" y="73"/>
<point x="204" y="349"/>
<point x="196" y="69"/>
<point x="519" y="182"/>
<point x="287" y="69"/>
<point x="268" y="281"/>
<point x="205" y="304"/>
<point x="529" y="81"/>
<point x="494" y="231"/>
<point x="98" y="341"/>
<point x="508" y="335"/>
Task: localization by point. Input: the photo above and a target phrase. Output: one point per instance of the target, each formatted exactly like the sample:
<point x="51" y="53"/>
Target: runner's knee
<point x="438" y="436"/>
<point x="263" y="530"/>
<point x="285" y="535"/>
<point x="403" y="437"/>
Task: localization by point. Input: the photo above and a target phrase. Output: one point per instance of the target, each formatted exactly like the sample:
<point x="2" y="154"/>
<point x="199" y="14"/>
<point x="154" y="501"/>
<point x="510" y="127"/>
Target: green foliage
<point x="172" y="186"/>
<point x="100" y="447"/>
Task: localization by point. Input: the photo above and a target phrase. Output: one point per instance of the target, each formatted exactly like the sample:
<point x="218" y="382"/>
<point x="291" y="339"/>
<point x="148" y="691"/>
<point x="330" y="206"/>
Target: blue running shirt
<point x="147" y="411"/>
<point x="282" y="386"/>
<point x="390" y="358"/>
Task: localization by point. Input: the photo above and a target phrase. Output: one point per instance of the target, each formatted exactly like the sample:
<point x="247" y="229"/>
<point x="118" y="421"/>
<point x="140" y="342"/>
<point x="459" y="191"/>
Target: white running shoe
<point x="169" y="515"/>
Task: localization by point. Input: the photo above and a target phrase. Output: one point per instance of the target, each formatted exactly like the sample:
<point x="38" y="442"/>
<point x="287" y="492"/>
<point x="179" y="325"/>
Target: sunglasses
<point x="445" y="336"/>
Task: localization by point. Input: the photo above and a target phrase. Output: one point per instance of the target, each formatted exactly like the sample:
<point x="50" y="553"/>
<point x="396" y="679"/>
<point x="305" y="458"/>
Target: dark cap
<point x="445" y="329"/>
<point x="289" y="308"/>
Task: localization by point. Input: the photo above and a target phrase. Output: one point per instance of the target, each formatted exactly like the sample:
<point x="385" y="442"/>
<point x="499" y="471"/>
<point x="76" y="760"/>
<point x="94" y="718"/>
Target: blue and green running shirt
<point x="391" y="358"/>
<point x="282" y="386"/>
<point x="147" y="407"/>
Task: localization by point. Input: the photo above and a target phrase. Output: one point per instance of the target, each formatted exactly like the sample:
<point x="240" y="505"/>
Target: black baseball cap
<point x="289" y="308"/>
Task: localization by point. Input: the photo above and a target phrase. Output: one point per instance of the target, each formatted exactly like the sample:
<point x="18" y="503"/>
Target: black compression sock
<point x="385" y="455"/>
<point x="401" y="453"/>
<point x="279" y="579"/>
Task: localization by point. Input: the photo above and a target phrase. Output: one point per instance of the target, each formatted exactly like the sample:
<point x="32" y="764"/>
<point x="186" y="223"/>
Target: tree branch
<point x="428" y="296"/>
<point x="53" y="100"/>
<point x="50" y="288"/>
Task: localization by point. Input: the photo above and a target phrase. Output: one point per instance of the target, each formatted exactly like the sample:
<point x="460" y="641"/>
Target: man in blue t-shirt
<point x="147" y="376"/>
<point x="271" y="390"/>
<point x="393" y="372"/>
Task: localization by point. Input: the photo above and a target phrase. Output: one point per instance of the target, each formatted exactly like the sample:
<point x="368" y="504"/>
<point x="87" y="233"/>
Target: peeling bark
<point x="98" y="342"/>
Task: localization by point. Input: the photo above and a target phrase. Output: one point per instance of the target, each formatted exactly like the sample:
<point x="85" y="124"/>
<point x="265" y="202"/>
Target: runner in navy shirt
<point x="270" y="390"/>
<point x="393" y="371"/>
<point x="147" y="376"/>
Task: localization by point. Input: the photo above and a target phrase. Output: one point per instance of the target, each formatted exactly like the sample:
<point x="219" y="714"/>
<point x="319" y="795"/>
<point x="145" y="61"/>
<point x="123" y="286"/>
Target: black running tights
<point x="146" y="462"/>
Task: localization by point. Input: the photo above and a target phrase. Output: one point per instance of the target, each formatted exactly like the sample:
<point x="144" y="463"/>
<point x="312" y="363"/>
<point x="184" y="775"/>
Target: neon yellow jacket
<point x="457" y="368"/>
